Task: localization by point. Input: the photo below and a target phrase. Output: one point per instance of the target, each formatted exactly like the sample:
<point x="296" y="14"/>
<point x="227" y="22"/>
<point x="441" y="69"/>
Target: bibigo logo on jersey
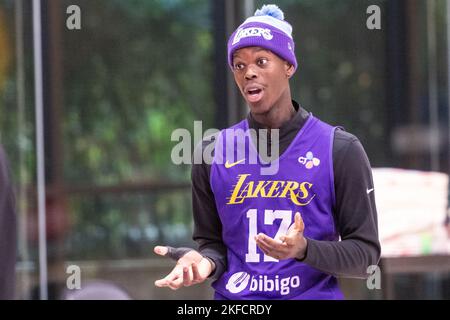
<point x="239" y="281"/>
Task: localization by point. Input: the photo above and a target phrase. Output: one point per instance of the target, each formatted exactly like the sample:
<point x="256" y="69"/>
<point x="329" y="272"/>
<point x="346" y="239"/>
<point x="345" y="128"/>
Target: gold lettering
<point x="299" y="193"/>
<point x="296" y="196"/>
<point x="294" y="200"/>
<point x="304" y="190"/>
<point x="238" y="186"/>
<point x="290" y="186"/>
<point x="260" y="188"/>
<point x="248" y="189"/>
<point x="274" y="188"/>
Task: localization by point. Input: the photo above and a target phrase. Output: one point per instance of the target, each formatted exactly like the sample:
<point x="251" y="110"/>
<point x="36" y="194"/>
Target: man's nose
<point x="251" y="73"/>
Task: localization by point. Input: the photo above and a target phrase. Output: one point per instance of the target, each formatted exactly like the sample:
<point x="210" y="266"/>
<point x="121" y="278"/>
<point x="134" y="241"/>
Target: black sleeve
<point x="207" y="224"/>
<point x="7" y="232"/>
<point x="355" y="215"/>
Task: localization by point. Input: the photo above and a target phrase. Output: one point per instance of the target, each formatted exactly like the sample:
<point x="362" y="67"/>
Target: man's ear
<point x="289" y="68"/>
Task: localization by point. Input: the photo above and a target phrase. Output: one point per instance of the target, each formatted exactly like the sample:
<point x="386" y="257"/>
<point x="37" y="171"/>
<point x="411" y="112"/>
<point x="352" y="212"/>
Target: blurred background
<point x="114" y="91"/>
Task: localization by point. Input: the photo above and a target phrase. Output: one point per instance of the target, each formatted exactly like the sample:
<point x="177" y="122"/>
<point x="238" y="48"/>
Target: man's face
<point x="261" y="76"/>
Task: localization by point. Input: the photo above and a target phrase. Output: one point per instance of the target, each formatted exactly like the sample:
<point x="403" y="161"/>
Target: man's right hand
<point x="191" y="268"/>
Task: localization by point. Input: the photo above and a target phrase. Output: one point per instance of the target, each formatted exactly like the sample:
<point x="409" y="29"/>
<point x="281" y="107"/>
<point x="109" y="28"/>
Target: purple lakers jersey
<point x="250" y="202"/>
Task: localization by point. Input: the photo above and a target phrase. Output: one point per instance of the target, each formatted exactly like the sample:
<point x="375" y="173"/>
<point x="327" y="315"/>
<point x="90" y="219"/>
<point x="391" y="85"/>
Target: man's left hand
<point x="291" y="245"/>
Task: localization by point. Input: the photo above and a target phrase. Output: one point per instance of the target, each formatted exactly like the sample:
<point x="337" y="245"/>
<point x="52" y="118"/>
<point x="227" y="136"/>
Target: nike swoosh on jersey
<point x="229" y="165"/>
<point x="369" y="190"/>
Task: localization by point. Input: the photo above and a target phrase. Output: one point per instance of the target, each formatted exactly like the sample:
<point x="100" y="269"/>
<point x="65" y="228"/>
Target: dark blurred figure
<point x="7" y="231"/>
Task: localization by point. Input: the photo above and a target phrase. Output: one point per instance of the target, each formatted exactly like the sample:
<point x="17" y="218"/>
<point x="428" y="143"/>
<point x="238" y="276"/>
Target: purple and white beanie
<point x="266" y="29"/>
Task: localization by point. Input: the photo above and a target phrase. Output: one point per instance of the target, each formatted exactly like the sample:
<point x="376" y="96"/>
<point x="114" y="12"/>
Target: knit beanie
<point x="266" y="29"/>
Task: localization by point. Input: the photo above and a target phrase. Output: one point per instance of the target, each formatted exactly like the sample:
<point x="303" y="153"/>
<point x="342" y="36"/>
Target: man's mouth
<point x="254" y="93"/>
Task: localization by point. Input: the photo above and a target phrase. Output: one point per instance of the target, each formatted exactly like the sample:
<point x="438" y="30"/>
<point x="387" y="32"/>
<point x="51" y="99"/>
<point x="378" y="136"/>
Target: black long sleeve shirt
<point x="355" y="213"/>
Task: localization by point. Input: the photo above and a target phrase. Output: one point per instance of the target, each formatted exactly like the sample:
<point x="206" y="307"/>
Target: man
<point x="7" y="232"/>
<point x="276" y="237"/>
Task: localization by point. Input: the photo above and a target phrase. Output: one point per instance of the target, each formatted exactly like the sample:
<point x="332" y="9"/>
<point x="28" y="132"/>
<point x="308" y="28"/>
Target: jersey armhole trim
<point x="332" y="187"/>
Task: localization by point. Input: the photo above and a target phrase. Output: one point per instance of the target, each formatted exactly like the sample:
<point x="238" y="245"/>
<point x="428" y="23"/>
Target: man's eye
<point x="239" y="66"/>
<point x="262" y="61"/>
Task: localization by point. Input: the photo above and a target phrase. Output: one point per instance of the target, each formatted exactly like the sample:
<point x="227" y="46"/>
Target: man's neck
<point x="279" y="114"/>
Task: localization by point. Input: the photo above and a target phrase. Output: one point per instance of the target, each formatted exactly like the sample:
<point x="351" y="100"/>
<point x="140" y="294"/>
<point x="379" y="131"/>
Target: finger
<point x="171" y="252"/>
<point x="161" y="283"/>
<point x="271" y="243"/>
<point x="165" y="282"/>
<point x="268" y="250"/>
<point x="175" y="279"/>
<point x="260" y="243"/>
<point x="276" y="249"/>
<point x="196" y="274"/>
<point x="161" y="250"/>
<point x="299" y="224"/>
<point x="174" y="274"/>
<point x="264" y="249"/>
<point x="289" y="241"/>
<point x="262" y="246"/>
<point x="269" y="253"/>
<point x="176" y="284"/>
<point x="187" y="281"/>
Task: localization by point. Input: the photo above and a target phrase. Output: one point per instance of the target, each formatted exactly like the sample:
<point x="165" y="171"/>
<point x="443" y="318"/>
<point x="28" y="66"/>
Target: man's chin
<point x="258" y="108"/>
